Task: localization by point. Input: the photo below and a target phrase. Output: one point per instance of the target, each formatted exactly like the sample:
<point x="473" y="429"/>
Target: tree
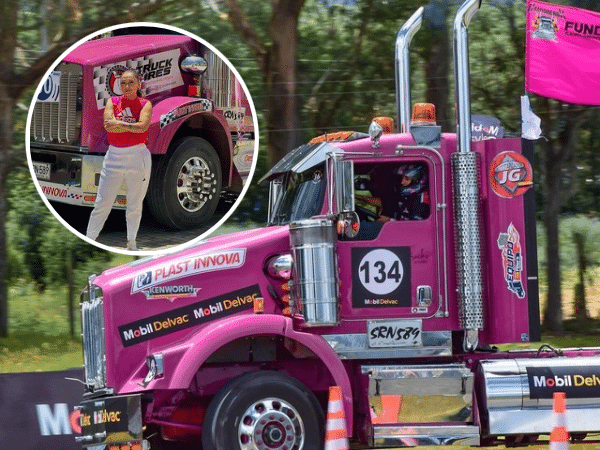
<point x="20" y="26"/>
<point x="277" y="61"/>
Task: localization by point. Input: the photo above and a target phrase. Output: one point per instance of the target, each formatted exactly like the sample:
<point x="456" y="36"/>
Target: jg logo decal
<point x="381" y="277"/>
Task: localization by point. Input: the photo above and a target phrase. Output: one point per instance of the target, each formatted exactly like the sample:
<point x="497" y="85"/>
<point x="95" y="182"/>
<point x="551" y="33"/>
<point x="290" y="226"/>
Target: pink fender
<point x="214" y="336"/>
<point x="160" y="138"/>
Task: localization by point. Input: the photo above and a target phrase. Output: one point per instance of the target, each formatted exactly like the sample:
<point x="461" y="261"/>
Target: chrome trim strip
<point x="409" y="435"/>
<point x="355" y="346"/>
<point x="53" y="147"/>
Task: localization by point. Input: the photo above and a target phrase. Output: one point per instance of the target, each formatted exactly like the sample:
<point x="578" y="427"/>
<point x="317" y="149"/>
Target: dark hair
<point x="137" y="76"/>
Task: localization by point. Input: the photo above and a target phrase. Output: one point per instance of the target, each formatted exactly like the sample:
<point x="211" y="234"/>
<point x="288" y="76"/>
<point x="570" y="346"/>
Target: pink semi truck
<point x="201" y="121"/>
<point x="234" y="342"/>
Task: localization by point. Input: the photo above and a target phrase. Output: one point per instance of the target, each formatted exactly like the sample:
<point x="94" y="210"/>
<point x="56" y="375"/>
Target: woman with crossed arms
<point x="126" y="119"/>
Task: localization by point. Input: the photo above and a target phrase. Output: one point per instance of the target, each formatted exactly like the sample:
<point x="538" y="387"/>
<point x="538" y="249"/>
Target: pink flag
<point x="562" y="53"/>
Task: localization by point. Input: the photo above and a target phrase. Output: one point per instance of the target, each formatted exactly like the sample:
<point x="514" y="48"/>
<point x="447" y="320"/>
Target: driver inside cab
<point x="398" y="193"/>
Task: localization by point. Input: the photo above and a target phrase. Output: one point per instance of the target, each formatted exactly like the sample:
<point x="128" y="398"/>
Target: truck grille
<point x="92" y="320"/>
<point x="220" y="82"/>
<point x="60" y="122"/>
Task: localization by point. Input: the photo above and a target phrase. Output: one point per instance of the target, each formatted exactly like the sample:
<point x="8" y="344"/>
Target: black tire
<point x="261" y="411"/>
<point x="185" y="185"/>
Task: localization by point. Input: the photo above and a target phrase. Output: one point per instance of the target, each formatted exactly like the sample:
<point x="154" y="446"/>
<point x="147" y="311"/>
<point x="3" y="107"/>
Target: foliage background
<point x="344" y="76"/>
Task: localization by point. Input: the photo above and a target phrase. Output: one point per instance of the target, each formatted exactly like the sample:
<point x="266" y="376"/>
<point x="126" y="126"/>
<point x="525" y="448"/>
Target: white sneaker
<point x="131" y="245"/>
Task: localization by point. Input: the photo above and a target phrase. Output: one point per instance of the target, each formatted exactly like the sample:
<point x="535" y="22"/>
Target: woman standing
<point x="126" y="119"/>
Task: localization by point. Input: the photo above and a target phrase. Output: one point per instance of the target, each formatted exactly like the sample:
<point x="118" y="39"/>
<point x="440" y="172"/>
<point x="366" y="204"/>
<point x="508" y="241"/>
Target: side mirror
<point x="348" y="224"/>
<point x="344" y="185"/>
<point x="275" y="193"/>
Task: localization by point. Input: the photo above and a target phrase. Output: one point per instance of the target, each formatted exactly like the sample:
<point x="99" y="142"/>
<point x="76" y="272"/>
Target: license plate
<point x="42" y="170"/>
<point x="395" y="333"/>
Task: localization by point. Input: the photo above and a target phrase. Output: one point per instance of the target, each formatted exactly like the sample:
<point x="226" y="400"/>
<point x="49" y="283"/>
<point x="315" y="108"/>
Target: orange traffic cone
<point x="336" y="437"/>
<point x="390" y="407"/>
<point x="559" y="437"/>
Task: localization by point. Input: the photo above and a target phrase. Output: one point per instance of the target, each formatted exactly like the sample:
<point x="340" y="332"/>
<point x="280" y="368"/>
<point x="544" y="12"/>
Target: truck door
<point x="395" y="267"/>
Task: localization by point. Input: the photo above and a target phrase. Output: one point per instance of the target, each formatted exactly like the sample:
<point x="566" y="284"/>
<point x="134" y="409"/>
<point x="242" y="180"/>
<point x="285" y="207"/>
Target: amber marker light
<point x="423" y="114"/>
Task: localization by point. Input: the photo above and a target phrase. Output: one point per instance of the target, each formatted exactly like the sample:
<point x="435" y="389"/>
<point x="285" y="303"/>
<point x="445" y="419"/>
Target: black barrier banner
<point x="575" y="381"/>
<point x="36" y="410"/>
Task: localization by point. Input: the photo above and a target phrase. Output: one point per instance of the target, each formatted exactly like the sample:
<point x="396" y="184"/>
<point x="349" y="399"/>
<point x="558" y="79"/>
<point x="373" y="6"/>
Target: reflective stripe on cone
<point x="336" y="436"/>
<point x="559" y="437"/>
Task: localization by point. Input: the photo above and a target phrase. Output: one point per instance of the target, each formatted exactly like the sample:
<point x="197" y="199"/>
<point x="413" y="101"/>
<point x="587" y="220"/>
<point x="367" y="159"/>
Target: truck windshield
<point x="303" y="196"/>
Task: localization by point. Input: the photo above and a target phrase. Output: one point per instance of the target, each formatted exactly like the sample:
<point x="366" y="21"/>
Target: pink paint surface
<point x="562" y="53"/>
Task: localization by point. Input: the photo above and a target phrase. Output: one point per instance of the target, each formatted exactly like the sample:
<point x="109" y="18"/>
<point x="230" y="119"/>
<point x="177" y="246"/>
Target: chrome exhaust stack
<point x="466" y="188"/>
<point x="405" y="35"/>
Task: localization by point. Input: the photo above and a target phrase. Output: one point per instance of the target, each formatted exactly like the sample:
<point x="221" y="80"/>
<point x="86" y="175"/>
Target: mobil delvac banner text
<point x="36" y="410"/>
<point x="562" y="53"/>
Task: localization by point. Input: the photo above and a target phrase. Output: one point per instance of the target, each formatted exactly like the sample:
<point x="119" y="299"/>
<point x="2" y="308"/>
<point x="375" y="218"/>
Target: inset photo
<point x="142" y="138"/>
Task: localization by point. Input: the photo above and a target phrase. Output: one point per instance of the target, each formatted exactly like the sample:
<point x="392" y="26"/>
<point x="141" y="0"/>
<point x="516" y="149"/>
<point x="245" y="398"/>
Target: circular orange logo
<point x="510" y="174"/>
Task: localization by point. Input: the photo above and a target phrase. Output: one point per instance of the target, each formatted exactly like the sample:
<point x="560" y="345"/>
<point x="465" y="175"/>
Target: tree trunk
<point x="8" y="41"/>
<point x="558" y="152"/>
<point x="277" y="62"/>
<point x="437" y="68"/>
<point x="579" y="298"/>
<point x="553" y="317"/>
<point x="70" y="293"/>
<point x="280" y="78"/>
<point x="6" y="111"/>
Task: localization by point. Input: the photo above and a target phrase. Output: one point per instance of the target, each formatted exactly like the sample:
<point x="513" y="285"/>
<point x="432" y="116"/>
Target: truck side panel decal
<point x="184" y="110"/>
<point x="381" y="277"/>
<point x="576" y="382"/>
<point x="188" y="316"/>
<point x="510" y="174"/>
<point x="159" y="73"/>
<point x="191" y="265"/>
<point x="512" y="260"/>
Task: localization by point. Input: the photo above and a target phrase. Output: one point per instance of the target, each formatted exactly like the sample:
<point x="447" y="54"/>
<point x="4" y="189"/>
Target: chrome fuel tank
<point x="517" y="394"/>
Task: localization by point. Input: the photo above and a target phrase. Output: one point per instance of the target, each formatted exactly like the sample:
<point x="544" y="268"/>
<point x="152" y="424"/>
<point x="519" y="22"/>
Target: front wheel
<point x="186" y="184"/>
<point x="263" y="411"/>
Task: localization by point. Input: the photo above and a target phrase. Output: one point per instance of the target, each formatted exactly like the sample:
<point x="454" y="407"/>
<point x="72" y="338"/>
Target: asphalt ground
<point x="151" y="235"/>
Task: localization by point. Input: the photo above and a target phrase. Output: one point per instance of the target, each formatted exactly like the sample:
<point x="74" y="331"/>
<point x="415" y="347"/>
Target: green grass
<point x="39" y="332"/>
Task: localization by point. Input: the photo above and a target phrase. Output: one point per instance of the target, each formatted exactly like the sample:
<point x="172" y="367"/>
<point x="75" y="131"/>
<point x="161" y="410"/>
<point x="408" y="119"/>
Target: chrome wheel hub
<point x="196" y="184"/>
<point x="271" y="424"/>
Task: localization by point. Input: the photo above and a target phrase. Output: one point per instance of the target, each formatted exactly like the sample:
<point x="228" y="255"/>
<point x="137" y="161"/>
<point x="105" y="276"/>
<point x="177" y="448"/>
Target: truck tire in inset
<point x="262" y="411"/>
<point x="185" y="185"/>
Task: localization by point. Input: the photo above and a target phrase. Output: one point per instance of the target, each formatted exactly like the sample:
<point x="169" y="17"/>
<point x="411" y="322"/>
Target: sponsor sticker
<point x="226" y="259"/>
<point x="576" y="381"/>
<point x="189" y="316"/>
<point x="512" y="260"/>
<point x="381" y="277"/>
<point x="112" y="418"/>
<point x="510" y="174"/>
<point x="159" y="73"/>
<point x="51" y="89"/>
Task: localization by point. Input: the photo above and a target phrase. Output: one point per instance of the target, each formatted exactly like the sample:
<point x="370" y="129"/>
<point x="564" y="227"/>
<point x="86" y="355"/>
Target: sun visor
<point x="301" y="159"/>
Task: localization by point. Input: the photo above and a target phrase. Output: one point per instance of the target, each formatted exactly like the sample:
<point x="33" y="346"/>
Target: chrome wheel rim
<point x="271" y="424"/>
<point x="196" y="184"/>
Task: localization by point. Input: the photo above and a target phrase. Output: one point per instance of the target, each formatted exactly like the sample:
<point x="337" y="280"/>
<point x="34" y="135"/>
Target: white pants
<point x="133" y="165"/>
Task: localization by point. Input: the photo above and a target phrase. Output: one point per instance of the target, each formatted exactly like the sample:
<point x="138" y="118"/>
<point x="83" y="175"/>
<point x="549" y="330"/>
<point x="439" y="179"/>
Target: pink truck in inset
<point x="234" y="343"/>
<point x="201" y="120"/>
